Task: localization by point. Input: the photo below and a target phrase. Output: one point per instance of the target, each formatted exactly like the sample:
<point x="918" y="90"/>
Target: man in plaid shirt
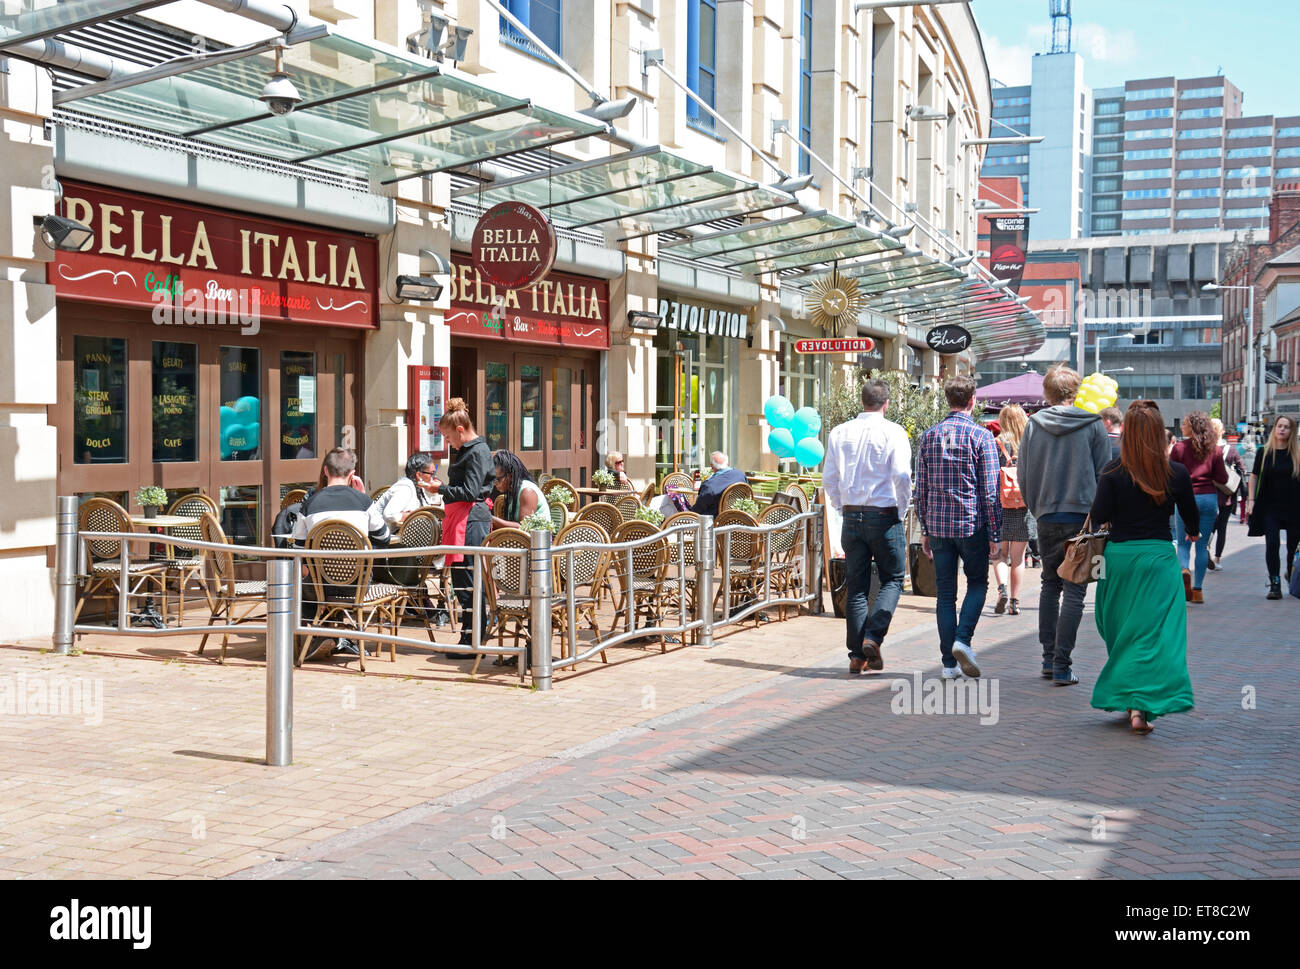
<point x="960" y="511"/>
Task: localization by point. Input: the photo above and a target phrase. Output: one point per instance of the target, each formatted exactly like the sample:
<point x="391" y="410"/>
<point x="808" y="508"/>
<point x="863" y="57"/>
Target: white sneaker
<point x="951" y="674"/>
<point x="965" y="656"/>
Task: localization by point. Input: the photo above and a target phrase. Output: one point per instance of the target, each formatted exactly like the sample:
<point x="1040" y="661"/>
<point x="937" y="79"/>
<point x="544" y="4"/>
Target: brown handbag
<point x="1084" y="555"/>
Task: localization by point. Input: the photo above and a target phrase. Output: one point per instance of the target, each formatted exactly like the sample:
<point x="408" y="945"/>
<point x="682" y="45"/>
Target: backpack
<point x="1009" y="484"/>
<point x="285" y="522"/>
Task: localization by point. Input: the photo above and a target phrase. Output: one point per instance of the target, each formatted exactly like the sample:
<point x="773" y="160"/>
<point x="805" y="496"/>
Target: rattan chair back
<point x="329" y="574"/>
<point x="733" y="493"/>
<point x="102" y="515"/>
<point x="603" y="514"/>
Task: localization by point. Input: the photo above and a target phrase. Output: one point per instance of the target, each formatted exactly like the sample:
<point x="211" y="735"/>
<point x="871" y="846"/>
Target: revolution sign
<point x="513" y="246"/>
<point x="862" y="344"/>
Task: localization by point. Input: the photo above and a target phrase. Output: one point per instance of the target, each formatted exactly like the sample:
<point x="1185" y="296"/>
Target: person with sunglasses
<point x="414" y="490"/>
<point x="523" y="497"/>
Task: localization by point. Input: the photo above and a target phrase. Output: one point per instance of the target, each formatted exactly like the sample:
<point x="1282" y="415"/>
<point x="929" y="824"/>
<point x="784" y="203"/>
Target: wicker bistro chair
<point x="292" y="497"/>
<point x="103" y="562"/>
<point x="187" y="562"/>
<point x="648" y="493"/>
<point x="420" y="530"/>
<point x="733" y="493"/>
<point x="799" y="495"/>
<point x="645" y="584"/>
<point x="499" y="506"/>
<point x="743" y="561"/>
<point x="225" y="593"/>
<point x="628" y="505"/>
<point x="786" y="547"/>
<point x="601" y="513"/>
<point x="559" y="515"/>
<point x="506" y="583"/>
<point x="679" y="480"/>
<point x="342" y="590"/>
<point x="681" y="558"/>
<point x="590" y="568"/>
<point x="379" y="493"/>
<point x="550" y="484"/>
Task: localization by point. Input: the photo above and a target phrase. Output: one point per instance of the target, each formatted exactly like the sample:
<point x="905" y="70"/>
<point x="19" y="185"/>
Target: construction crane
<point x="1062" y="26"/>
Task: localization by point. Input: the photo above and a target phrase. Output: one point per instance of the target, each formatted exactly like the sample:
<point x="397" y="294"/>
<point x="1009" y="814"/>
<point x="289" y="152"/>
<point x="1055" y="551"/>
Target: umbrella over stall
<point x="1025" y="390"/>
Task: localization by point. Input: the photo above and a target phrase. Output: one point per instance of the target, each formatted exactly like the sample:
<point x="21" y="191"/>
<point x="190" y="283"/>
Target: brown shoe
<point x="1187" y="585"/>
<point x="1196" y="596"/>
<point x="856" y="666"/>
<point x="871" y="650"/>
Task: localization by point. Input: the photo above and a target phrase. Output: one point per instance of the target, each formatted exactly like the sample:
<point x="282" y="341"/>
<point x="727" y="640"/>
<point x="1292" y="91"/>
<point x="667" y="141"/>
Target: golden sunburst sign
<point x="835" y="300"/>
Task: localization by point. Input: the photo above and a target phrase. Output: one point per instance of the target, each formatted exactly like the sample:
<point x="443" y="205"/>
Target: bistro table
<point x="157" y="524"/>
<point x="588" y="495"/>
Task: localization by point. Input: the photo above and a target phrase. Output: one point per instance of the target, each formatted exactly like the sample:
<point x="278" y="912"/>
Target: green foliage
<point x="1217" y="410"/>
<point x="706" y="474"/>
<point x="603" y="478"/>
<point x="538" y="522"/>
<point x="915" y="409"/>
<point x="560" y="496"/>
<point x="650" y="515"/>
<point x="151" y="496"/>
<point x="748" y="505"/>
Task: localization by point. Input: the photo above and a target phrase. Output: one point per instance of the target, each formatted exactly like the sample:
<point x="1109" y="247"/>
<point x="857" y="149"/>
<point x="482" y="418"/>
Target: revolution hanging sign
<point x="198" y="265"/>
<point x="513" y="246"/>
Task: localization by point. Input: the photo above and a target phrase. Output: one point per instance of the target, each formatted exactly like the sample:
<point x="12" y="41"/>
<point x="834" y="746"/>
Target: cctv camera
<point x="279" y="95"/>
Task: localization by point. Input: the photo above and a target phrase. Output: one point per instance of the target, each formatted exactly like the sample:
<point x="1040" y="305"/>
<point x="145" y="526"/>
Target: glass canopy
<point x="23" y="20"/>
<point x="367" y="111"/>
<point x="859" y="242"/>
<point x="769" y="238"/>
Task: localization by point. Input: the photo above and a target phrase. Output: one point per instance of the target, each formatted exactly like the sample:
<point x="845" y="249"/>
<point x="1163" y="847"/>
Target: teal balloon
<point x="809" y="452"/>
<point x="248" y="408"/>
<point x="781" y="443"/>
<point x="253" y="435"/>
<point x="234" y="439"/>
<point x="807" y="423"/>
<point x="778" y="411"/>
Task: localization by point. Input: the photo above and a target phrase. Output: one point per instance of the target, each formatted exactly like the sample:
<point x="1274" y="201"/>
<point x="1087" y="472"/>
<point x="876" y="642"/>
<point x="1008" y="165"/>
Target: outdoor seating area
<point x="622" y="575"/>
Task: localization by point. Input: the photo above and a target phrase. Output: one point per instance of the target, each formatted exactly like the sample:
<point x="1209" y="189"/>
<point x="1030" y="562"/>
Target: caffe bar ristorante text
<point x="204" y="265"/>
<point x="563" y="309"/>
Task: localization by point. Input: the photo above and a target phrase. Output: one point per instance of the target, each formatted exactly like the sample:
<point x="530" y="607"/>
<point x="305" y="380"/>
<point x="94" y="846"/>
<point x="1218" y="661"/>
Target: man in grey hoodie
<point x="1061" y="456"/>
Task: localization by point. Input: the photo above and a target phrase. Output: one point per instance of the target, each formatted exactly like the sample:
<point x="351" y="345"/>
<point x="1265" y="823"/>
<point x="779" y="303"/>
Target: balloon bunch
<point x="794" y="432"/>
<point x="240" y="429"/>
<point x="1096" y="393"/>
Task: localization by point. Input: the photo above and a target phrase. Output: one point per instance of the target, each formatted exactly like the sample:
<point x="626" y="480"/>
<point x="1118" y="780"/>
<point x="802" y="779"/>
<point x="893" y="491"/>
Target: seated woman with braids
<point x="523" y="498"/>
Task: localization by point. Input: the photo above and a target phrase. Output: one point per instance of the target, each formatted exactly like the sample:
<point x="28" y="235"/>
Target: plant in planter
<point x="537" y="522"/>
<point x="748" y="505"/>
<point x="603" y="479"/>
<point x="706" y="474"/>
<point x="151" y="498"/>
<point x="650" y="515"/>
<point x="560" y="495"/>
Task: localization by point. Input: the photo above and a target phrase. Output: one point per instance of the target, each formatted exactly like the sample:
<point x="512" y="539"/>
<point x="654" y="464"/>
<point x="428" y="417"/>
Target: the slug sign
<point x="948" y="339"/>
<point x="513" y="246"/>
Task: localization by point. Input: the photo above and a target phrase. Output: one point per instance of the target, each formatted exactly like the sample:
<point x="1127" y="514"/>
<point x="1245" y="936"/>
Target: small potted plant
<point x="538" y="522"/>
<point x="560" y="495"/>
<point x="748" y="505"/>
<point x="603" y="479"/>
<point x="151" y="498"/>
<point x="706" y="474"/>
<point x="651" y="515"/>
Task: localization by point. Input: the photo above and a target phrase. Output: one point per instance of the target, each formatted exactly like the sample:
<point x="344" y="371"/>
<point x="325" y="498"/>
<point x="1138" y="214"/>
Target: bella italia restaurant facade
<point x="216" y="294"/>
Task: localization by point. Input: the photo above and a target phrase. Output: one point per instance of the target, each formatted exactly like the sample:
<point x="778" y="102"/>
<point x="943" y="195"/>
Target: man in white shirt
<point x="868" y="480"/>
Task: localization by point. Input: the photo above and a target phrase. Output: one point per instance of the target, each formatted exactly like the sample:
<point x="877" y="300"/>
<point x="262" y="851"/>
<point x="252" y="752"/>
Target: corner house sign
<point x="948" y="339"/>
<point x="693" y="318"/>
<point x="198" y="265"/>
<point x="563" y="309"/>
<point x="513" y="246"/>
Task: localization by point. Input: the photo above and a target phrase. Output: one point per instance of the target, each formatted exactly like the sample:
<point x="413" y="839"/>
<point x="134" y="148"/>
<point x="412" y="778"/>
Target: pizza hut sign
<point x="513" y="246"/>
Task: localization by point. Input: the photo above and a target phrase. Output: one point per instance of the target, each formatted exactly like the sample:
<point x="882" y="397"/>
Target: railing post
<point x="65" y="573"/>
<point x="706" y="558"/>
<point x="539" y="593"/>
<point x="280" y="624"/>
<point x="816" y="572"/>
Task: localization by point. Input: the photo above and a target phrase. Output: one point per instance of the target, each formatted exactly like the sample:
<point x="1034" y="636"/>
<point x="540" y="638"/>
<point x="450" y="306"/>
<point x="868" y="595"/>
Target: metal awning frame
<point x="412" y="132"/>
<point x="663" y="208"/>
<point x="823" y="243"/>
<point x="771" y="224"/>
<point x="569" y="169"/>
<point x="823" y="261"/>
<point x="465" y="162"/>
<point x="127" y="11"/>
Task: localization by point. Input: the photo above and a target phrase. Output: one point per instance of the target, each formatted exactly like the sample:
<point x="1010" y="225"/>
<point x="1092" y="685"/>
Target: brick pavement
<point x="810" y="774"/>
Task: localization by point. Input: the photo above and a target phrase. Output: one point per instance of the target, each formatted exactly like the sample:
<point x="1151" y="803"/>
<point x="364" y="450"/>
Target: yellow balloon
<point x="1091" y="406"/>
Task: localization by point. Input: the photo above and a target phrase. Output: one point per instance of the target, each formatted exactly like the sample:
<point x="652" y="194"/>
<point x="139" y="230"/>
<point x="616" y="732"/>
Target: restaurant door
<point x="537" y="404"/>
<point x="204" y="408"/>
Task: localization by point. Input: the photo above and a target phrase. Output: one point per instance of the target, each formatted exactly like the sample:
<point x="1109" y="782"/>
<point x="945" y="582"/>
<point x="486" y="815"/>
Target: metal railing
<point x="540" y="564"/>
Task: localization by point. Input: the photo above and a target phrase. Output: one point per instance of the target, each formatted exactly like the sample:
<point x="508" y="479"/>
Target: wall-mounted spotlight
<point x="641" y="320"/>
<point x="66" y="234"/>
<point x="418" y="289"/>
<point x="610" y="110"/>
<point x="920" y="113"/>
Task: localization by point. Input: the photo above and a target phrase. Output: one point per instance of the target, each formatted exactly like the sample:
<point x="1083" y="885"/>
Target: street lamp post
<point x="1097" y="346"/>
<point x="1252" y="344"/>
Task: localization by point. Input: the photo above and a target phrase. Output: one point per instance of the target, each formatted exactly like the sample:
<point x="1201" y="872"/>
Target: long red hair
<point x="1143" y="452"/>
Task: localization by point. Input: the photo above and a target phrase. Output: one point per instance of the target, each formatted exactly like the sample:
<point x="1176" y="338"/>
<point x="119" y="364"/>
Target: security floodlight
<point x="921" y="113"/>
<point x="418" y="288"/>
<point x="66" y="234"/>
<point x="793" y="183"/>
<point x="440" y="264"/>
<point x="610" y="110"/>
<point x="899" y="231"/>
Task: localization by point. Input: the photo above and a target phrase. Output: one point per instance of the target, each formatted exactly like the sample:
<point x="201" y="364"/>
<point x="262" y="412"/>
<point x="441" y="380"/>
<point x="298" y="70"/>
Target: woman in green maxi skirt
<point x="1141" y="605"/>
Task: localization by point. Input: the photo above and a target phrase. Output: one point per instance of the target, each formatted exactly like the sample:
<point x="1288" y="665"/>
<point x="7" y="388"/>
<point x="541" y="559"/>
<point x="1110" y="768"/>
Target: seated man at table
<point x="711" y="491"/>
<point x="339" y="501"/>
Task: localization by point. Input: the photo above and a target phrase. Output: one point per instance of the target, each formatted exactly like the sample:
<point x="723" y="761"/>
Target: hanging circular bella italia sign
<point x="513" y="246"/>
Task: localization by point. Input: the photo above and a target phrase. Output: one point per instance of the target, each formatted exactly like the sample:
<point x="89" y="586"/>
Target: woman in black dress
<point x="1275" y="499"/>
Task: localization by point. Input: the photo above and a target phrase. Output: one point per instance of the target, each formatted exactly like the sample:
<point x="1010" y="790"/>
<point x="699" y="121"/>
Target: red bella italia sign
<point x="563" y="309"/>
<point x="198" y="264"/>
<point x="513" y="246"/>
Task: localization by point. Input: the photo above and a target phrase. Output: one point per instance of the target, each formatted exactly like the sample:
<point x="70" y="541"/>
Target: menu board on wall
<point x="427" y="389"/>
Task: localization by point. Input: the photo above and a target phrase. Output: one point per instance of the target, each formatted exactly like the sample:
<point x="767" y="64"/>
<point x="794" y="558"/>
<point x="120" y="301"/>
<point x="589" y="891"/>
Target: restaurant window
<point x="241" y="513"/>
<point x="496" y="391"/>
<point x="342" y="437"/>
<point x="798" y="377"/>
<point x="100" y="384"/>
<point x="561" y="409"/>
<point x="805" y="85"/>
<point x="530" y="408"/>
<point x="297" y="404"/>
<point x="175" y="402"/>
<point x="239" y="423"/>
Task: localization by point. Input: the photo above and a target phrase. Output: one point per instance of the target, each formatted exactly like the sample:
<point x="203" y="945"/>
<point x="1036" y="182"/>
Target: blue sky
<point x="1253" y="41"/>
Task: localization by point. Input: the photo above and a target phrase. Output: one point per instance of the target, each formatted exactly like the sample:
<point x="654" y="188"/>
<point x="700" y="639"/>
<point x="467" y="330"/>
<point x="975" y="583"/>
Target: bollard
<point x="65" y="573"/>
<point x="706" y="559"/>
<point x="280" y="623"/>
<point x="539" y="593"/>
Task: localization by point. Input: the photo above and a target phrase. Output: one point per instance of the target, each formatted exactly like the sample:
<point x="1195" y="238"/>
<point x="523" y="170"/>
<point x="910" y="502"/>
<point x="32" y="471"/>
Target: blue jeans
<point x="1208" y="508"/>
<point x="871" y="536"/>
<point x="974" y="555"/>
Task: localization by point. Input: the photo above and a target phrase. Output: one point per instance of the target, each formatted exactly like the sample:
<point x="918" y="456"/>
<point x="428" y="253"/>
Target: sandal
<point x="1138" y="721"/>
<point x="1014" y="608"/>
